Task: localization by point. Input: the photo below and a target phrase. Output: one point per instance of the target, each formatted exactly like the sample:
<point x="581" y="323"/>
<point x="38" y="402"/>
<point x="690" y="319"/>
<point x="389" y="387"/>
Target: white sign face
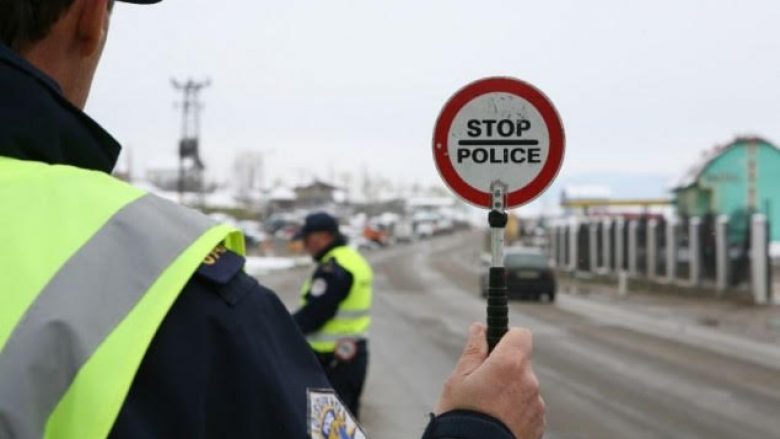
<point x="498" y="136"/>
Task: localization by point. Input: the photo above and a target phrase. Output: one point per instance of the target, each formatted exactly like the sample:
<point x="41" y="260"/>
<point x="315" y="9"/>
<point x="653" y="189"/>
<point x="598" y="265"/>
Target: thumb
<point x="475" y="351"/>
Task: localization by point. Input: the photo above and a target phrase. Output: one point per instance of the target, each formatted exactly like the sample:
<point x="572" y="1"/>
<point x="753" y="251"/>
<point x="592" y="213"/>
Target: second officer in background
<point x="334" y="313"/>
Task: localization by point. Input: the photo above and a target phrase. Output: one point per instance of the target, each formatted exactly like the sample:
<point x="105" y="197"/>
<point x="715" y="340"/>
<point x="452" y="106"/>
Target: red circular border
<point x="502" y="85"/>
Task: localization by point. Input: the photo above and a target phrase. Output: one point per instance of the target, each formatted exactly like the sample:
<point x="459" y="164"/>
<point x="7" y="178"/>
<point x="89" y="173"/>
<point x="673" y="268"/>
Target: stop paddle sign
<point x="498" y="130"/>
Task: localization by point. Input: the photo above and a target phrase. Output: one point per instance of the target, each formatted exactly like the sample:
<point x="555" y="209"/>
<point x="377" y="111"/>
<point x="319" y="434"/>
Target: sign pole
<point x="497" y="307"/>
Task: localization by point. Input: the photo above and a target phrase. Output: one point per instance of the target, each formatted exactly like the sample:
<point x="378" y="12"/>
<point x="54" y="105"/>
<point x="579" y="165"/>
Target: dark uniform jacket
<point x="228" y="361"/>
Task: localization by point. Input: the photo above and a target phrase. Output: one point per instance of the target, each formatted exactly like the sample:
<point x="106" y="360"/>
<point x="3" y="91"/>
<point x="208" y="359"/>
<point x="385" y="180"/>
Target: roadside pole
<point x="651" y="248"/>
<point x="722" y="254"/>
<point x="607" y="245"/>
<point x="633" y="231"/>
<point x="759" y="259"/>
<point x="593" y="246"/>
<point x="694" y="251"/>
<point x="574" y="245"/>
<point x="561" y="247"/>
<point x="671" y="250"/>
<point x="620" y="245"/>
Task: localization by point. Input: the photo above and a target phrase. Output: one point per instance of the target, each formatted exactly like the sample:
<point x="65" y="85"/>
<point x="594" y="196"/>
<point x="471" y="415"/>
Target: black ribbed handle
<point x="497" y="307"/>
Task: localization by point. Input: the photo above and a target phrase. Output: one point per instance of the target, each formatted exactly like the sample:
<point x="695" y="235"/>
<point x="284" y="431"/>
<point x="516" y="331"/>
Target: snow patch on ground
<point x="257" y="265"/>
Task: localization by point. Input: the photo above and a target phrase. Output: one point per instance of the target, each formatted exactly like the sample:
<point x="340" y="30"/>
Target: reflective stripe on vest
<point x="353" y="319"/>
<point x="352" y="314"/>
<point x="92" y="279"/>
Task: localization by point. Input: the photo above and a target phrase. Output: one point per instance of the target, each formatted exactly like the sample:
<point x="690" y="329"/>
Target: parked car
<point x="403" y="231"/>
<point x="528" y="275"/>
<point x="425" y="229"/>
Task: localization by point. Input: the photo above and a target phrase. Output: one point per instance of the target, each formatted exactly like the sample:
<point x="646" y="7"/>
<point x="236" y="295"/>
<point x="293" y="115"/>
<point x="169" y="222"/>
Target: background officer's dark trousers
<point x="347" y="378"/>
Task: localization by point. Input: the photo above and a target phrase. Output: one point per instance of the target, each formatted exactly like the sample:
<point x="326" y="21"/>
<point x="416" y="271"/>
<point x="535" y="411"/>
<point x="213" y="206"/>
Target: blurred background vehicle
<point x="528" y="274"/>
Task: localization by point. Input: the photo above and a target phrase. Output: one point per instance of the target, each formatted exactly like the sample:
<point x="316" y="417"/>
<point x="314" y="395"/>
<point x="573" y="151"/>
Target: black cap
<point x="317" y="222"/>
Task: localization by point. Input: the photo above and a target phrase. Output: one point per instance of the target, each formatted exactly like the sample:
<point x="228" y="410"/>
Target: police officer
<point x="125" y="316"/>
<point x="336" y="303"/>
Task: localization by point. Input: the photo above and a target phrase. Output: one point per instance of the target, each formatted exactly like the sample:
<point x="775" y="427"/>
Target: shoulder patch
<point x="221" y="265"/>
<point x="318" y="287"/>
<point x="329" y="418"/>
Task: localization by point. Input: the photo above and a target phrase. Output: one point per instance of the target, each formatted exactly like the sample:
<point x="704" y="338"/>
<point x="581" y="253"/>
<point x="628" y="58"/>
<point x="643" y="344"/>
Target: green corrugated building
<point x="735" y="179"/>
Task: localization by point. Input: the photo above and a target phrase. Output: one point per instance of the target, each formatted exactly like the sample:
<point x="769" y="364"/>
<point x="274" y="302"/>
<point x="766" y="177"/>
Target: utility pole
<point x="190" y="164"/>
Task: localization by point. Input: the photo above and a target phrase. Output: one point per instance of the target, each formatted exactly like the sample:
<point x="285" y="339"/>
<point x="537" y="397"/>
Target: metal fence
<point x="698" y="252"/>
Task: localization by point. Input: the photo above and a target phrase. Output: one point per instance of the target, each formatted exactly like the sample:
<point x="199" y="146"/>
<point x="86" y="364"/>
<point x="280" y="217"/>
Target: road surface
<point x="600" y="379"/>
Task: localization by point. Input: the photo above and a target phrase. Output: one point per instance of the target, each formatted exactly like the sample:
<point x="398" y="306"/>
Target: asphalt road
<point x="600" y="379"/>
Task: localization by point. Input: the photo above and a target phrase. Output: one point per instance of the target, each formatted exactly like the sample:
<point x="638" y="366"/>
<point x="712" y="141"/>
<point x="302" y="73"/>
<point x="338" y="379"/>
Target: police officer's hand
<point x="502" y="385"/>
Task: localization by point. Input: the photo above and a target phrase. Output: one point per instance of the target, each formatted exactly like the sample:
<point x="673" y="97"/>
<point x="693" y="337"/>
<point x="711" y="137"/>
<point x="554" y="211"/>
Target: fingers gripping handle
<point x="497" y="308"/>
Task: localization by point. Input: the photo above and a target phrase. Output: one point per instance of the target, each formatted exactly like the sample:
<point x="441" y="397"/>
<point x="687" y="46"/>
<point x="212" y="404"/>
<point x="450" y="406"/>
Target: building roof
<point x="692" y="175"/>
<point x="317" y="184"/>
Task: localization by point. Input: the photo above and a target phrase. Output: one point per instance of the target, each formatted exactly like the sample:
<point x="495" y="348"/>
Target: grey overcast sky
<point x="642" y="87"/>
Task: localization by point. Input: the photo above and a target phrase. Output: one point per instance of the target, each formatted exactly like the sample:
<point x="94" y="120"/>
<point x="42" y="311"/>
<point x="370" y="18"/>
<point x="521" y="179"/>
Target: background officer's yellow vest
<point x="352" y="319"/>
<point x="89" y="267"/>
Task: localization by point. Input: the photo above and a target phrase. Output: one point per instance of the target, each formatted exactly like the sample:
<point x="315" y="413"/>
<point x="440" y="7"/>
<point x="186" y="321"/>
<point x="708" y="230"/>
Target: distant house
<point x="734" y="179"/>
<point x="280" y="199"/>
<point x="316" y="194"/>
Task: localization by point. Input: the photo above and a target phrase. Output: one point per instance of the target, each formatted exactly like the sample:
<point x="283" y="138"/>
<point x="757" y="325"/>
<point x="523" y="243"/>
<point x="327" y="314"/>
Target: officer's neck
<point x="337" y="241"/>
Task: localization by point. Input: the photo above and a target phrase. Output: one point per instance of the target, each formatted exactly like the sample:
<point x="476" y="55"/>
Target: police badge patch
<point x="318" y="287"/>
<point x="328" y="418"/>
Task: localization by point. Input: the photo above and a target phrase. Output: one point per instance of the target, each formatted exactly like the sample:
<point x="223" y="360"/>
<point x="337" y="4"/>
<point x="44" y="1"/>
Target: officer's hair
<point x="25" y="22"/>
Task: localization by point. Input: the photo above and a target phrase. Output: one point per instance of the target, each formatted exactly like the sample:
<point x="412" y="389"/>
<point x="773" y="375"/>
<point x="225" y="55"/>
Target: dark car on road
<point x="528" y="275"/>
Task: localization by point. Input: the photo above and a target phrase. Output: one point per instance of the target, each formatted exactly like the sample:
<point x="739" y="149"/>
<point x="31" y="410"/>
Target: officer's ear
<point x="92" y="26"/>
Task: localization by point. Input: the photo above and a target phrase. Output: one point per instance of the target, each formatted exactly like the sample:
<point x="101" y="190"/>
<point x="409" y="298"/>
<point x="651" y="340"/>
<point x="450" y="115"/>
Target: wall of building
<point x="724" y="185"/>
<point x="768" y="196"/>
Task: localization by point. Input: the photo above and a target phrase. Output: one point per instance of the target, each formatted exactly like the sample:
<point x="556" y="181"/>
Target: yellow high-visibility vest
<point x="89" y="267"/>
<point x="353" y="319"/>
